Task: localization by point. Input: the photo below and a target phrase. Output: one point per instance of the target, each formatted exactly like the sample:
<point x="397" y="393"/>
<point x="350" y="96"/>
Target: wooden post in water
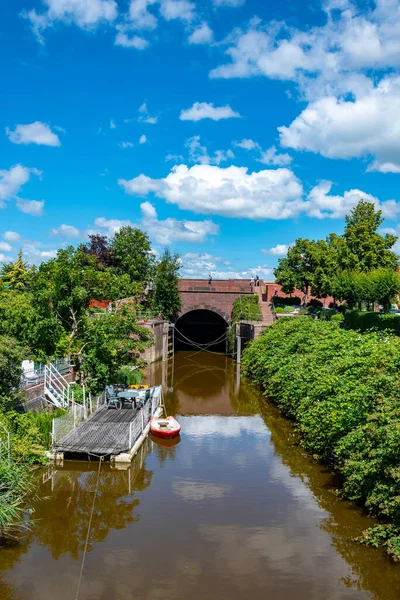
<point x="238" y="349"/>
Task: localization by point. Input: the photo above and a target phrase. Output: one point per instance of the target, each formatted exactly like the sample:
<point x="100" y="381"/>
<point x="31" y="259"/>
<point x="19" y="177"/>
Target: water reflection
<point x="234" y="507"/>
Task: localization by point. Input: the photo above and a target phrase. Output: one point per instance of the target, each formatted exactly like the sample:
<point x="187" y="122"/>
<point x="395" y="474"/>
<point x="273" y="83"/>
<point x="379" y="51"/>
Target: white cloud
<point x="86" y="14"/>
<point x="33" y="133"/>
<point x="272" y="157"/>
<point x="125" y="145"/>
<point x="139" y="15"/>
<point x="11" y="181"/>
<point x="278" y="250"/>
<point x="247" y="144"/>
<point x="11" y="236"/>
<point x="142" y="139"/>
<point x="204" y="110"/>
<point x="35" y="255"/>
<point x="31" y="207"/>
<point x="145" y="116"/>
<point x="5" y="247"/>
<point x="234" y="192"/>
<point x="68" y="231"/>
<point x="161" y="231"/>
<point x="229" y="2"/>
<point x="201" y="35"/>
<point x="199" y="153"/>
<point x="367" y="125"/>
<point x="171" y="230"/>
<point x="112" y="124"/>
<point x="134" y="41"/>
<point x="230" y="192"/>
<point x="177" y="9"/>
<point x="321" y="204"/>
<point x="201" y="265"/>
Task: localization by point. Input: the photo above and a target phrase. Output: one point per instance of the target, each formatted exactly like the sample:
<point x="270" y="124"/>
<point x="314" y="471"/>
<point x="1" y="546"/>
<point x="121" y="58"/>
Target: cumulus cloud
<point x="230" y="192"/>
<point x="161" y="231"/>
<point x="33" y="133"/>
<point x="260" y="195"/>
<point x="201" y="35"/>
<point x="5" y="247"/>
<point x="341" y="69"/>
<point x="36" y="252"/>
<point x="204" y="110"/>
<point x="177" y="9"/>
<point x="321" y="204"/>
<point x="68" y="231"/>
<point x="247" y="144"/>
<point x="86" y="14"/>
<point x="142" y="139"/>
<point x="139" y="15"/>
<point x="130" y="41"/>
<point x="31" y="207"/>
<point x="278" y="250"/>
<point x="199" y="153"/>
<point x="366" y="125"/>
<point x="201" y="265"/>
<point x="11" y="236"/>
<point x="171" y="230"/>
<point x="12" y="180"/>
<point x="274" y="158"/>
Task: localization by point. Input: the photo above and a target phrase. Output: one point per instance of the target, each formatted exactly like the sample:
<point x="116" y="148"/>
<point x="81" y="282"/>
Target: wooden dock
<point x="110" y="431"/>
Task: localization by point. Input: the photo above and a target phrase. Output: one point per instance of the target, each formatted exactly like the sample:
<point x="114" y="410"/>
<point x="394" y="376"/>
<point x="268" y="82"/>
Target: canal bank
<point x="235" y="507"/>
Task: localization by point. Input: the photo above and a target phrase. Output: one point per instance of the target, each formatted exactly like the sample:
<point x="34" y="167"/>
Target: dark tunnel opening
<point x="201" y="327"/>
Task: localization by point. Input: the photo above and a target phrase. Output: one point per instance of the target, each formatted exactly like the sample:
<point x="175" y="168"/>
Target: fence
<point x="34" y="373"/>
<point x="75" y="414"/>
<point x="107" y="434"/>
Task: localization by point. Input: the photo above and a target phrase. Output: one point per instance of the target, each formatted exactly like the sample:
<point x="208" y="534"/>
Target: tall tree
<point x="166" y="294"/>
<point x="17" y="275"/>
<point x="131" y="254"/>
<point x="98" y="246"/>
<point x="367" y="249"/>
<point x="297" y="270"/>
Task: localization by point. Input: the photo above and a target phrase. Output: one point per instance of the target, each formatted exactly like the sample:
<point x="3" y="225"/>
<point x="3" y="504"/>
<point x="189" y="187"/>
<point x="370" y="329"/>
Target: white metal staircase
<point x="57" y="389"/>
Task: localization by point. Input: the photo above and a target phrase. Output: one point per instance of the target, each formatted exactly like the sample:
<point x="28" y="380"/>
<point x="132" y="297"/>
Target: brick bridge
<point x="217" y="297"/>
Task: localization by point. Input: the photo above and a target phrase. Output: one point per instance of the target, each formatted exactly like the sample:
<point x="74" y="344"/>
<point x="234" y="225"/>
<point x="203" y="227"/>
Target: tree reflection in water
<point x="68" y="496"/>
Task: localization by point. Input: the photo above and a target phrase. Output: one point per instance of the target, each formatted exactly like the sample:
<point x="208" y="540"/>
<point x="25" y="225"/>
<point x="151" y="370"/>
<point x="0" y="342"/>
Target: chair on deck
<point x="112" y="398"/>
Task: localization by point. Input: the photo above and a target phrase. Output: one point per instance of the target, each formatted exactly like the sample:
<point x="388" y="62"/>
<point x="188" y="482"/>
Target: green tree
<point x="297" y="270"/>
<point x="367" y="249"/>
<point x="17" y="275"/>
<point x="131" y="254"/>
<point x="11" y="357"/>
<point x="166" y="294"/>
<point x="108" y="342"/>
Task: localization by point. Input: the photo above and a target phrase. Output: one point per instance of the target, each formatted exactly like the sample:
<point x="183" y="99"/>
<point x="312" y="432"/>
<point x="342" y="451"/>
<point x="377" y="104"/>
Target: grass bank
<point x="342" y="390"/>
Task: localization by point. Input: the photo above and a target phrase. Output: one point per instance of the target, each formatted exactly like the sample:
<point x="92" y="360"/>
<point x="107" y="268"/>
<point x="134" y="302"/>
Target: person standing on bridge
<point x="252" y="285"/>
<point x="209" y="279"/>
<point x="257" y="280"/>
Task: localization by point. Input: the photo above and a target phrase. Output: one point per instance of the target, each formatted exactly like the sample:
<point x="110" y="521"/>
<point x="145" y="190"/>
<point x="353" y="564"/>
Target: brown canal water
<point x="234" y="510"/>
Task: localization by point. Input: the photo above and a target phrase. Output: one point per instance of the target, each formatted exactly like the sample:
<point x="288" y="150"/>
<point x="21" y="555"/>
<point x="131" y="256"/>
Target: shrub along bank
<point x="342" y="390"/>
<point x="365" y="321"/>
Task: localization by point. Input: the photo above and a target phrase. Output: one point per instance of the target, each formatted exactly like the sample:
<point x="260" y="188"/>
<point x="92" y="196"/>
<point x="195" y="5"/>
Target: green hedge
<point x="285" y="301"/>
<point x="341" y="388"/>
<point x="365" y="321"/>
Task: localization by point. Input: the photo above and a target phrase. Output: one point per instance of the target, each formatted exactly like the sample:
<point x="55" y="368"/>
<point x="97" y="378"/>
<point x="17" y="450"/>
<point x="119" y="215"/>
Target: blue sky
<point x="224" y="128"/>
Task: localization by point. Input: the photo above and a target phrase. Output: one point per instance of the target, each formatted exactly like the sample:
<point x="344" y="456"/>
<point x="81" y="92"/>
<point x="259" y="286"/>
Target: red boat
<point x="165" y="427"/>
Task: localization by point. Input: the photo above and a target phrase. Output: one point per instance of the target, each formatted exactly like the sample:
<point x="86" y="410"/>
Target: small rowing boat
<point x="165" y="427"/>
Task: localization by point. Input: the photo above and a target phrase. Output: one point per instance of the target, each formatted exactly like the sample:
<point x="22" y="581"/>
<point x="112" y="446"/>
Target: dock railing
<point x="74" y="415"/>
<point x="115" y="435"/>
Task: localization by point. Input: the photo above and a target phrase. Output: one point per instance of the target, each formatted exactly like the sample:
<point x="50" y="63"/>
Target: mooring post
<point x="238" y="349"/>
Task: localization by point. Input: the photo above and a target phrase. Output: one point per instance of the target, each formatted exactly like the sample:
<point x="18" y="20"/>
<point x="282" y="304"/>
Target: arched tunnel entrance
<point x="201" y="327"/>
